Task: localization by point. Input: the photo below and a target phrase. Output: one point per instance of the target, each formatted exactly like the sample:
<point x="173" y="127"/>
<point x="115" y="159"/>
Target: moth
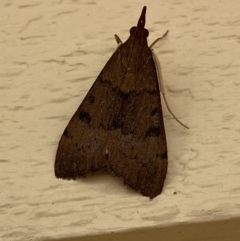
<point x="119" y="124"/>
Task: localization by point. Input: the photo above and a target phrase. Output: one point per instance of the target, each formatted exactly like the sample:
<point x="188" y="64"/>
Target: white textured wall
<point x="50" y="54"/>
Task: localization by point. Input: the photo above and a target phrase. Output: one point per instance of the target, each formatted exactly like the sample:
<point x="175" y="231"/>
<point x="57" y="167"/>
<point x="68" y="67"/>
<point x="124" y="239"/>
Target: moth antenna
<point x="160" y="80"/>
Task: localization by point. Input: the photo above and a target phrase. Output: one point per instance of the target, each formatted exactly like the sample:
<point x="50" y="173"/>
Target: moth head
<point x="142" y="33"/>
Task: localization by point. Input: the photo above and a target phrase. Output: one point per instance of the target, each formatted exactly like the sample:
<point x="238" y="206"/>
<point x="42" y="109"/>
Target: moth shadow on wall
<point x="107" y="183"/>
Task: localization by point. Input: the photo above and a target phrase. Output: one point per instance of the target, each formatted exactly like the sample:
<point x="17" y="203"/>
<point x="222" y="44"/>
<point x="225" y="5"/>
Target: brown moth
<point x="119" y="124"/>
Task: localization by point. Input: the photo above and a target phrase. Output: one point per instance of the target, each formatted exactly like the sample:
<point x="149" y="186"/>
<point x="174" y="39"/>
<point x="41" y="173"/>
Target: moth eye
<point x="145" y="33"/>
<point x="133" y="30"/>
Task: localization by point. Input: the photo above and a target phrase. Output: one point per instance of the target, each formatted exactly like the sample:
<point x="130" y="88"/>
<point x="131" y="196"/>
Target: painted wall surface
<point x="51" y="53"/>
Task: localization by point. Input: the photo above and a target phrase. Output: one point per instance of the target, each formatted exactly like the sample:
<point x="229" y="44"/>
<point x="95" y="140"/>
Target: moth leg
<point x="118" y="40"/>
<point x="158" y="39"/>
